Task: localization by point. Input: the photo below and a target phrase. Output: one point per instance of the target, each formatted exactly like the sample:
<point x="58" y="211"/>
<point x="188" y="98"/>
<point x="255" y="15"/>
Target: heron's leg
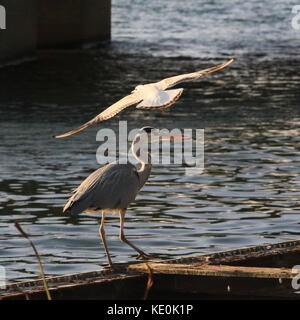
<point x="124" y="239"/>
<point x="102" y="235"/>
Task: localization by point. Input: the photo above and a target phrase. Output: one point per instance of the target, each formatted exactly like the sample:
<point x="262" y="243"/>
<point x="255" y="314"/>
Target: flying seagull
<point x="149" y="96"/>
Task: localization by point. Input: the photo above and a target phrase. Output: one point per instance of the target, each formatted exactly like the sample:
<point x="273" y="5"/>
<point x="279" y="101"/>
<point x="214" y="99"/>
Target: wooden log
<point x="245" y="273"/>
<point x="214" y="271"/>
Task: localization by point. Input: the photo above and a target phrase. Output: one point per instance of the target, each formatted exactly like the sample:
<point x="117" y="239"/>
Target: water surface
<point x="249" y="191"/>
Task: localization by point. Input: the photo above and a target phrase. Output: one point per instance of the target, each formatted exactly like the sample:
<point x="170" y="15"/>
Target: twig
<point x="25" y="235"/>
<point x="150" y="282"/>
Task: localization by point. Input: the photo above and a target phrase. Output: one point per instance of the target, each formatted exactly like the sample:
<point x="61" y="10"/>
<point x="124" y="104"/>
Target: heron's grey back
<point x="113" y="186"/>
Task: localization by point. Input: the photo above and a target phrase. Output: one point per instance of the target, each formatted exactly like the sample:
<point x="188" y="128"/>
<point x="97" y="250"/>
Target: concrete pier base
<point x="18" y="40"/>
<point x="32" y="24"/>
<point x="73" y="22"/>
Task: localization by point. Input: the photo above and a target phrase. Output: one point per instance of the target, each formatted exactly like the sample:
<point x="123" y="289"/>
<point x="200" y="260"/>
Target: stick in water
<point x="25" y="235"/>
<point x="150" y="281"/>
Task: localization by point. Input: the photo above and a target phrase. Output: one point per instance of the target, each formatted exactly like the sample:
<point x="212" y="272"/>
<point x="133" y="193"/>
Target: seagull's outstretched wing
<point x="106" y="114"/>
<point x="172" y="81"/>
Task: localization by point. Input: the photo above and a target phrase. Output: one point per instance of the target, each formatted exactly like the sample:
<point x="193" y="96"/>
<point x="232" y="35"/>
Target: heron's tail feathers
<point x="67" y="207"/>
<point x="74" y="206"/>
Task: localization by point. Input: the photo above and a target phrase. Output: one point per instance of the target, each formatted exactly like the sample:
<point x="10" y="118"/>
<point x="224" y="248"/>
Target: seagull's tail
<point x="171" y="96"/>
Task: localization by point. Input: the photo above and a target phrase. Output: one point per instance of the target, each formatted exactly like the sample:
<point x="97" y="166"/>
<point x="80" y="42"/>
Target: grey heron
<point x="113" y="187"/>
<point x="149" y="96"/>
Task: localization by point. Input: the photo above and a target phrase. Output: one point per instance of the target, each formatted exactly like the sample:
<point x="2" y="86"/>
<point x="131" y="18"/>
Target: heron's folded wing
<point x="172" y="81"/>
<point x="110" y="187"/>
<point x="83" y="190"/>
<point x="106" y="114"/>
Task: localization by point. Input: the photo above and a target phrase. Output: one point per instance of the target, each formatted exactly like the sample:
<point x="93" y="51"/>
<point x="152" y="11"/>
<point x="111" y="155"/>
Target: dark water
<point x="249" y="191"/>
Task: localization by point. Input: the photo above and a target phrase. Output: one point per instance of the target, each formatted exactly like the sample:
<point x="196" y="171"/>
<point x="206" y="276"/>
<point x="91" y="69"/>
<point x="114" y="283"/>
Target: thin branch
<point x="25" y="235"/>
<point x="150" y="282"/>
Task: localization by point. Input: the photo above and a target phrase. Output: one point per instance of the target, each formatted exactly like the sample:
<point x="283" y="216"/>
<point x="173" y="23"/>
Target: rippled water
<point x="206" y="27"/>
<point x="249" y="191"/>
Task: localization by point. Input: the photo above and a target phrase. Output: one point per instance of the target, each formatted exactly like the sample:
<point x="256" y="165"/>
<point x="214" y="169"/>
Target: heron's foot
<point x="109" y="267"/>
<point x="144" y="256"/>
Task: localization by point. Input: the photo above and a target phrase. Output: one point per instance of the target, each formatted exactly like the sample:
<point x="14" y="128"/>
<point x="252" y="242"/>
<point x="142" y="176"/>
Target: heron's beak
<point x="169" y="137"/>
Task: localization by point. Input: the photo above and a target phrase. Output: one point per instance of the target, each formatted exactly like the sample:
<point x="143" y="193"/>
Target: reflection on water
<point x="248" y="193"/>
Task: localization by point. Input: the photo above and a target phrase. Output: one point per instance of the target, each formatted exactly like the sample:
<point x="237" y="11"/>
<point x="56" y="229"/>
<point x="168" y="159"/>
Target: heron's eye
<point x="148" y="129"/>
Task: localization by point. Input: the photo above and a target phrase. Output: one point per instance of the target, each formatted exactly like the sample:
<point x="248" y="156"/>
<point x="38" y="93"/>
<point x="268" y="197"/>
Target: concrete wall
<point x="18" y="40"/>
<point x="73" y="22"/>
<point x="52" y="23"/>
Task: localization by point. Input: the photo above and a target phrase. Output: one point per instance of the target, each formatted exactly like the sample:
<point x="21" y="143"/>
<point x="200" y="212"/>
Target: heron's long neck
<point x="146" y="166"/>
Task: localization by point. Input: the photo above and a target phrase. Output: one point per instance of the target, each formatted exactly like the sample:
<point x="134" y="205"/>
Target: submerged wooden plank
<point x="247" y="255"/>
<point x="252" y="272"/>
<point x="222" y="282"/>
<point x="99" y="284"/>
<point x="116" y="287"/>
<point x="214" y="287"/>
<point x="69" y="278"/>
<point x="214" y="271"/>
